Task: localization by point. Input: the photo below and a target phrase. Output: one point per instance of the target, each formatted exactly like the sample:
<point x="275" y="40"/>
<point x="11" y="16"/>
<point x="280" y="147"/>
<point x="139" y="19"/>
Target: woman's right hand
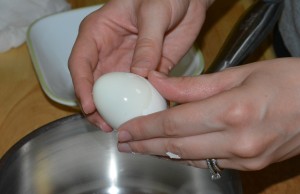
<point x="132" y="35"/>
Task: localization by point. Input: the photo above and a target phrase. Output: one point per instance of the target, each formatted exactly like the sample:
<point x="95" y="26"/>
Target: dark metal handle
<point x="248" y="33"/>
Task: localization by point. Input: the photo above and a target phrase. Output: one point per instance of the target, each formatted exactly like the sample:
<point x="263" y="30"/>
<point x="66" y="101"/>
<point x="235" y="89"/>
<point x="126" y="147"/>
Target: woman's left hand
<point x="247" y="117"/>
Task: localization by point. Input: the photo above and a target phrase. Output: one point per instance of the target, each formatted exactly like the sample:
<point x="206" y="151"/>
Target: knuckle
<point x="138" y="131"/>
<point x="254" y="165"/>
<point x="175" y="147"/>
<point x="146" y="42"/>
<point x="86" y="21"/>
<point x="169" y="126"/>
<point x="249" y="148"/>
<point x="83" y="24"/>
<point x="138" y="147"/>
<point x="148" y="46"/>
<point x="239" y="114"/>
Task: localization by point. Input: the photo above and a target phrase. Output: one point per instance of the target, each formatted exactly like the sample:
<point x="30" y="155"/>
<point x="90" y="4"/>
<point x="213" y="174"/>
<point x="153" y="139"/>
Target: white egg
<point x="121" y="96"/>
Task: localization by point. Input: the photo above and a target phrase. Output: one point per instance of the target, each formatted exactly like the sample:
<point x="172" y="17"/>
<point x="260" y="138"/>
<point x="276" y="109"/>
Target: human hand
<point x="132" y="35"/>
<point x="247" y="117"/>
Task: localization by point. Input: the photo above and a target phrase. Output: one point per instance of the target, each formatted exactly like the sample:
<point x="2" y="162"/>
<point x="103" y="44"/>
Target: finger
<point x="213" y="114"/>
<point x="83" y="58"/>
<point x="187" y="148"/>
<point x="195" y="150"/>
<point x="152" y="25"/>
<point x="187" y="29"/>
<point x="186" y="89"/>
<point x="97" y="120"/>
<point x="173" y="122"/>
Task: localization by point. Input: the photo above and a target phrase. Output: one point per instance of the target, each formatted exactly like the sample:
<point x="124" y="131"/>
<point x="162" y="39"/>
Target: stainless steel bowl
<point x="70" y="156"/>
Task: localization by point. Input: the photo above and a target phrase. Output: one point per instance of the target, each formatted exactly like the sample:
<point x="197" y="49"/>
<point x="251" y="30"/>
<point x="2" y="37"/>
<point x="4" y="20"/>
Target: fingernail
<point x="124" y="147"/>
<point x="124" y="136"/>
<point x="105" y="127"/>
<point x="82" y="109"/>
<point x="99" y="125"/>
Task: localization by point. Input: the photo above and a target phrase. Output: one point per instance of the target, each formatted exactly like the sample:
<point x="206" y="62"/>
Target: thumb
<point x="187" y="89"/>
<point x="152" y="24"/>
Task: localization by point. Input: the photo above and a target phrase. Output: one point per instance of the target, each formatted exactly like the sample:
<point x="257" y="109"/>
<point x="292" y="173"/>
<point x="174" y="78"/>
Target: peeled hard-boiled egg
<point x="121" y="96"/>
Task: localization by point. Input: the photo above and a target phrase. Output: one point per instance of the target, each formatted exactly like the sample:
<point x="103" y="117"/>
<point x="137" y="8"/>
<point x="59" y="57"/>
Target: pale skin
<point x="247" y="117"/>
<point x="132" y="35"/>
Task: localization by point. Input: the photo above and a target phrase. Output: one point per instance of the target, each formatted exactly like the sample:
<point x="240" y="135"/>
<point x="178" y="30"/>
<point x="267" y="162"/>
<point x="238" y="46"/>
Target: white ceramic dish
<point x="50" y="41"/>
